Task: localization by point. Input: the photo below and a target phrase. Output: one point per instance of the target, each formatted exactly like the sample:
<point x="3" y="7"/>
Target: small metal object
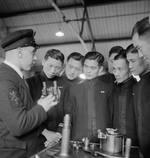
<point x="86" y="143"/>
<point x="37" y="156"/>
<point x="92" y="146"/>
<point x="128" y="147"/>
<point x="44" y="90"/>
<point x="76" y="145"/>
<point x="111" y="141"/>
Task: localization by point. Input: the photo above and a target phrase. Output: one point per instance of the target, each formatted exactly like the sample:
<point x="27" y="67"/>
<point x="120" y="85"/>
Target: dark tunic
<point x="87" y="103"/>
<point x="36" y="84"/>
<point x="123" y="109"/>
<point x="142" y="111"/>
<point x="55" y="115"/>
<point x="108" y="77"/>
<point x="20" y="120"/>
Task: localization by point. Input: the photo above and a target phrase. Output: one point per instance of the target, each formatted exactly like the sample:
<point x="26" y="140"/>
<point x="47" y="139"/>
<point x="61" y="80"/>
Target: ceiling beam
<point x="39" y="10"/>
<point x="48" y="8"/>
<point x="86" y="41"/>
<point x="89" y="26"/>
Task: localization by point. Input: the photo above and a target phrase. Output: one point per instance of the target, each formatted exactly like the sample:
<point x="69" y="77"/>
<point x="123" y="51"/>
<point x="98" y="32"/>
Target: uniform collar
<point x="144" y="72"/>
<point x="123" y="82"/>
<point x="14" y="68"/>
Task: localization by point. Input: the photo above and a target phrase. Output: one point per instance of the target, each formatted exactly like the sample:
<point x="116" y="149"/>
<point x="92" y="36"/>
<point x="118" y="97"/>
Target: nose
<point x="53" y="70"/>
<point x="72" y="70"/>
<point x="35" y="57"/>
<point x="130" y="65"/>
<point x="115" y="72"/>
<point x="88" y="69"/>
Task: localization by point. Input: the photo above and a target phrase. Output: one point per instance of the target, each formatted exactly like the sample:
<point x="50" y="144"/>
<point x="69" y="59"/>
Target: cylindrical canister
<point x="65" y="136"/>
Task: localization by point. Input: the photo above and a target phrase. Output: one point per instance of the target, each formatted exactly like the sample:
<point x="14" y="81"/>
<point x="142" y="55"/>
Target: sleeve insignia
<point x="14" y="97"/>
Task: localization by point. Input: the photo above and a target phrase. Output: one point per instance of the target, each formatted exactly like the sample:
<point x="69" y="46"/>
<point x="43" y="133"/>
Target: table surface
<point x="54" y="152"/>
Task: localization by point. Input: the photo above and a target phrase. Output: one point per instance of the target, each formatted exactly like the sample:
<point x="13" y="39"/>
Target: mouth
<point x="131" y="70"/>
<point x="51" y="75"/>
<point x="71" y="75"/>
<point x="117" y="79"/>
<point x="88" y="75"/>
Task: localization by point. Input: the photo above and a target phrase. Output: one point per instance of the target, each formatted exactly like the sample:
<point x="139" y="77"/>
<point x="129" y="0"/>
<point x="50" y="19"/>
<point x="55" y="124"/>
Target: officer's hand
<point x="52" y="137"/>
<point x="47" y="102"/>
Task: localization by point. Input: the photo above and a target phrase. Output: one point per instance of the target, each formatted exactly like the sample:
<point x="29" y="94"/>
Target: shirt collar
<point x="15" y="68"/>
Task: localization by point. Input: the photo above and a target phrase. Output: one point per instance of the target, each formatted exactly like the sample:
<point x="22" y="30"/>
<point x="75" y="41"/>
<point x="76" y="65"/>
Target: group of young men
<point x="113" y="100"/>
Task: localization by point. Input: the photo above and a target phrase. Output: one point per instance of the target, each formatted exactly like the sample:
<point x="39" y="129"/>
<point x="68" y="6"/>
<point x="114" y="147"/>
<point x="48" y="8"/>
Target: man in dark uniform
<point x="73" y="68"/>
<point x="139" y="66"/>
<point x="45" y="81"/>
<point x="108" y="76"/>
<point x="112" y="53"/>
<point x="87" y="102"/>
<point x="141" y="37"/>
<point x="122" y="99"/>
<point x="52" y="66"/>
<point x="20" y="119"/>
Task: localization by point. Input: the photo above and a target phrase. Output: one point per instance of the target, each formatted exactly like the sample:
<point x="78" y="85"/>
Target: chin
<point x="50" y="76"/>
<point x="27" y="69"/>
<point x="71" y="78"/>
<point x="89" y="78"/>
<point x="134" y="73"/>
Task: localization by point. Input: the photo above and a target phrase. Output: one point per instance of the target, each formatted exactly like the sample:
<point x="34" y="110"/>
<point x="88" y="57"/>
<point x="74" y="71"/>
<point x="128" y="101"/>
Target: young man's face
<point x="91" y="69"/>
<point x="110" y="62"/>
<point x="136" y="63"/>
<point x="120" y="70"/>
<point x="73" y="69"/>
<point x="52" y="67"/>
<point x="142" y="44"/>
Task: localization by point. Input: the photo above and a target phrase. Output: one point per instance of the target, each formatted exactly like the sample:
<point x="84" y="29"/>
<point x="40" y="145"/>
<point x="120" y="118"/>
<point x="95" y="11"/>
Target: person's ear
<point x="101" y="70"/>
<point x="62" y="70"/>
<point x="19" y="52"/>
<point x="43" y="61"/>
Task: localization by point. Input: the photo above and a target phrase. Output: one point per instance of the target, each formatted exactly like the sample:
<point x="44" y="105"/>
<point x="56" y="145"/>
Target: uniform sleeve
<point x="35" y="86"/>
<point x="14" y="113"/>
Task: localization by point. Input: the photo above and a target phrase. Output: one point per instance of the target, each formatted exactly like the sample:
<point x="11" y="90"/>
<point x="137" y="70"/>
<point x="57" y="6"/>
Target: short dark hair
<point x="93" y="55"/>
<point x="55" y="54"/>
<point x="141" y="27"/>
<point x="75" y="56"/>
<point x="114" y="50"/>
<point x="131" y="49"/>
<point x="121" y="55"/>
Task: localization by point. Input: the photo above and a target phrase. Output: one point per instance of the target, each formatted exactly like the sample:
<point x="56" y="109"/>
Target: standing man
<point x="112" y="53"/>
<point x="141" y="91"/>
<point x="141" y="37"/>
<point x="52" y="66"/>
<point x="52" y="63"/>
<point x="87" y="102"/>
<point x="122" y="99"/>
<point x="73" y="68"/>
<point x="20" y="119"/>
<point x="108" y="76"/>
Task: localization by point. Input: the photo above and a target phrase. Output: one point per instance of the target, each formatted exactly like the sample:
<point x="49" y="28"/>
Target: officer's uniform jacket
<point x="20" y="119"/>
<point x="142" y="112"/>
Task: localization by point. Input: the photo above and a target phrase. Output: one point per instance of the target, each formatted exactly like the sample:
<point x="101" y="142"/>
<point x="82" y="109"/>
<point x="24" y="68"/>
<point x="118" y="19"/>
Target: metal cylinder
<point x="65" y="136"/>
